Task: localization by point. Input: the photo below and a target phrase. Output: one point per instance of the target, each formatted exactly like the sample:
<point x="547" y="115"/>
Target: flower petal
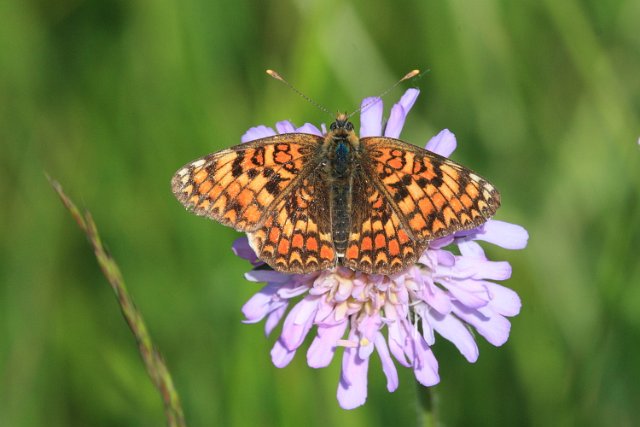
<point x="467" y="267"/>
<point x="492" y="326"/>
<point x="504" y="234"/>
<point x="310" y="129"/>
<point x="352" y="388"/>
<point x="470" y="293"/>
<point x="285" y="126"/>
<point x="256" y="133"/>
<point x="371" y="117"/>
<point x="399" y="113"/>
<point x="275" y="316"/>
<point x="259" y="305"/>
<point x="298" y="323"/>
<point x="324" y="344"/>
<point x="452" y="329"/>
<point x="266" y="276"/>
<point x="425" y="365"/>
<point x="388" y="367"/>
<point x="444" y="143"/>
<point x="241" y="248"/>
<point x="471" y="249"/>
<point x="280" y="355"/>
<point x="503" y="300"/>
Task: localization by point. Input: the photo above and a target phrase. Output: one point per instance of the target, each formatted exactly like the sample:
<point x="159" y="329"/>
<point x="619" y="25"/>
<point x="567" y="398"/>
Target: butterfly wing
<point x="408" y="197"/>
<point x="239" y="186"/>
<point x="296" y="235"/>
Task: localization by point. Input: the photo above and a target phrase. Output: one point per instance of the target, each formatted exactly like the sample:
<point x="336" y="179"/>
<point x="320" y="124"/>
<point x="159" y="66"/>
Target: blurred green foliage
<point x="111" y="97"/>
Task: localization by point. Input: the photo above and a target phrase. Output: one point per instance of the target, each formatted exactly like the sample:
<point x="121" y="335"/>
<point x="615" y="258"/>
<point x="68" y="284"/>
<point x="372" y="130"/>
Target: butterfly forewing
<point x="432" y="195"/>
<point x="238" y="186"/>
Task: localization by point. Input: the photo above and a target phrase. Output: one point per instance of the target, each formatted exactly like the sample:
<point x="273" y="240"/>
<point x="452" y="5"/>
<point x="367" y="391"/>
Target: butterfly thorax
<point x="341" y="147"/>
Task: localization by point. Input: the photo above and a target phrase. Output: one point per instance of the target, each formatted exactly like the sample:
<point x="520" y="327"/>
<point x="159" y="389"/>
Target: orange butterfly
<point x="312" y="202"/>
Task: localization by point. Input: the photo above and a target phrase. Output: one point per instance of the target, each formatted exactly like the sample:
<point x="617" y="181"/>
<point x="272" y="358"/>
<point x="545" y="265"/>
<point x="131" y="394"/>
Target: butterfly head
<point x="342" y="126"/>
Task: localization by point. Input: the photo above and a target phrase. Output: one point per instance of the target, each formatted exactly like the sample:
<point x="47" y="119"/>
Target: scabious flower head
<point x="447" y="291"/>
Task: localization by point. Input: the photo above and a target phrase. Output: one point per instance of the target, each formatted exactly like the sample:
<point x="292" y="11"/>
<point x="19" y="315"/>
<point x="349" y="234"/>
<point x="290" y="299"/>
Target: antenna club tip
<point x="274" y="74"/>
<point x="410" y="74"/>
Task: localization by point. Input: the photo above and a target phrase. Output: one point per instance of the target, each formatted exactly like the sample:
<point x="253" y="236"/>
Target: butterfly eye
<point x="349" y="126"/>
<point x="333" y="126"/>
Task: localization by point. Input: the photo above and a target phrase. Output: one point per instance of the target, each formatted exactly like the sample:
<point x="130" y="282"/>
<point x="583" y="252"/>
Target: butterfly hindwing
<point x="378" y="242"/>
<point x="238" y="186"/>
<point x="432" y="195"/>
<point x="296" y="235"/>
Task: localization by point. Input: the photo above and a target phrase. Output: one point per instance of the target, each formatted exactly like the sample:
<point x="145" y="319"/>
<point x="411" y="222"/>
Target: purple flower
<point x="443" y="292"/>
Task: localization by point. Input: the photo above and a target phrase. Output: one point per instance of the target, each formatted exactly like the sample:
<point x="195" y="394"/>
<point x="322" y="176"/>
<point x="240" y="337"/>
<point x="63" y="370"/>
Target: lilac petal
<point x="442" y="242"/>
<point x="504" y="234"/>
<point x="455" y="331"/>
<point x="275" y="316"/>
<point x="467" y="267"/>
<point x="368" y="329"/>
<point x="492" y="326"/>
<point x="310" y="129"/>
<point x="371" y="117"/>
<point x="428" y="333"/>
<point x="397" y="338"/>
<point x="256" y="133"/>
<point x="468" y="292"/>
<point x="298" y="323"/>
<point x="285" y="126"/>
<point x="280" y="355"/>
<point x="444" y="143"/>
<point x="259" y="305"/>
<point x="433" y="295"/>
<point x="323" y="128"/>
<point x="388" y="367"/>
<point x="242" y="249"/>
<point x="352" y="387"/>
<point x="471" y="249"/>
<point x="266" y="276"/>
<point x="324" y="344"/>
<point x="292" y="289"/>
<point x="399" y="113"/>
<point x="425" y="366"/>
<point x="494" y="270"/>
<point x="503" y="300"/>
<point x="446" y="258"/>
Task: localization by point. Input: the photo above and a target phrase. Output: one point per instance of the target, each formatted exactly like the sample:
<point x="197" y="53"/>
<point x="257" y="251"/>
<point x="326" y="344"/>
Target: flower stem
<point x="427" y="406"/>
<point x="153" y="361"/>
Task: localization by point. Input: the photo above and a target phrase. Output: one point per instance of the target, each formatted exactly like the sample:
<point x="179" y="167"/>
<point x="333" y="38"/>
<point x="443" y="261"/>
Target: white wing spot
<point x="198" y="163"/>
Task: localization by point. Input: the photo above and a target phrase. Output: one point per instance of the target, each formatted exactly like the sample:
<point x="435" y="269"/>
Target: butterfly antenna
<point x="407" y="76"/>
<point x="277" y="76"/>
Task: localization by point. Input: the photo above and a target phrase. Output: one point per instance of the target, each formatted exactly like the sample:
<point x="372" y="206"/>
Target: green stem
<point x="427" y="406"/>
<point x="153" y="361"/>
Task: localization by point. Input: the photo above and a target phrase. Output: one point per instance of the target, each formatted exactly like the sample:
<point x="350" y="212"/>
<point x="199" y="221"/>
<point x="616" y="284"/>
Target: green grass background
<point x="111" y="97"/>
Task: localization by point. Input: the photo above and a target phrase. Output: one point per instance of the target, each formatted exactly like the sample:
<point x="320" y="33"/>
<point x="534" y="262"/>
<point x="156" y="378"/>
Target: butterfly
<point x="310" y="202"/>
